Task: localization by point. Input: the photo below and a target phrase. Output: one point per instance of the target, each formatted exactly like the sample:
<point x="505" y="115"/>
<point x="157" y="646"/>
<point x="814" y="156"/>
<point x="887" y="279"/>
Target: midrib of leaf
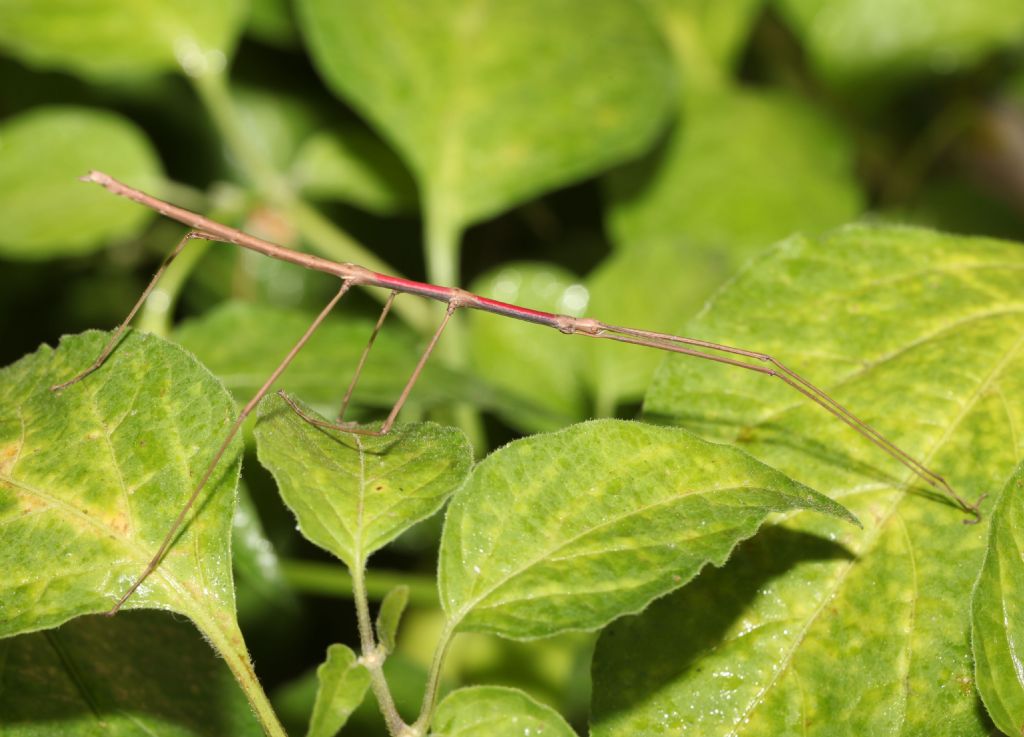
<point x="360" y="558"/>
<point x="874" y="536"/>
<point x="138" y="552"/>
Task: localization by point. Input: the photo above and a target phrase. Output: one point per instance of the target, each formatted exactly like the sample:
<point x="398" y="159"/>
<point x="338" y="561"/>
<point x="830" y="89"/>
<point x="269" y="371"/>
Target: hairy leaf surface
<point x="496" y="712"/>
<point x="107" y="39"/>
<point x="342" y="685"/>
<point x="494" y="103"/>
<point x="921" y="335"/>
<point x="139" y="673"/>
<point x="573" y="529"/>
<point x="997" y="612"/>
<point x="92" y="477"/>
<point x="353" y="494"/>
<point x="45" y="210"/>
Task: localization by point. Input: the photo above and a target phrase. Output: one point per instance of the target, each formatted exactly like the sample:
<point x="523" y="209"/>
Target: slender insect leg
<point x="366" y="352"/>
<point x="351" y="427"/>
<point x="800" y="384"/>
<point x="250" y="405"/>
<point x="116" y="337"/>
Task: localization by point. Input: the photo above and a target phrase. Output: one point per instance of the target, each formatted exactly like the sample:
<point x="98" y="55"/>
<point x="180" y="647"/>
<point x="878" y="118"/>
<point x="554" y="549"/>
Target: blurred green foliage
<point x="620" y="159"/>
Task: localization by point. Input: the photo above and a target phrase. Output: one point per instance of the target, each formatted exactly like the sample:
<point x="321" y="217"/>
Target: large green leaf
<point x="572" y="529"/>
<point x="242" y="343"/>
<point x="121" y="38"/>
<point x="45" y="210"/>
<point x="141" y="673"/>
<point x="91" y="478"/>
<point x="353" y="494"/>
<point x="538" y="365"/>
<point x="343" y="682"/>
<point x="878" y="41"/>
<point x="494" y="103"/>
<point x="741" y="170"/>
<point x="919" y="333"/>
<point x="997" y="612"/>
<point x="496" y="712"/>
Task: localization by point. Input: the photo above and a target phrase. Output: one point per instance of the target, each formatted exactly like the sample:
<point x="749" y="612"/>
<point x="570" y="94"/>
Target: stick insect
<point x="352" y="275"/>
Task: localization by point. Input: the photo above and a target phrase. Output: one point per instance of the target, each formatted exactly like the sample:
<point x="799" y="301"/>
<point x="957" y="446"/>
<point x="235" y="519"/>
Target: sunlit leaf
<point x="572" y="529"/>
<point x="121" y="38"/>
<point x="997" y="612"/>
<point x="46" y="211"/>
<point x="492" y="104"/>
<point x="496" y="712"/>
<point x="353" y="494"/>
<point x="140" y="673"/>
<point x="92" y="476"/>
<point x="815" y="627"/>
<point x="342" y="685"/>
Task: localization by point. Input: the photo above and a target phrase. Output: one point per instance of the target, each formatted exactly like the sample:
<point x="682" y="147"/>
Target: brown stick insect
<point x="353" y="275"/>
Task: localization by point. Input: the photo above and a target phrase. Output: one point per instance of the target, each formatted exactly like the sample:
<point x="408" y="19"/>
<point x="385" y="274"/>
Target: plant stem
<point x="434" y="678"/>
<point x="322" y="234"/>
<point x="327" y="578"/>
<point x="442" y="256"/>
<point x="373" y="655"/>
<point x="226" y="638"/>
<point x="339" y="246"/>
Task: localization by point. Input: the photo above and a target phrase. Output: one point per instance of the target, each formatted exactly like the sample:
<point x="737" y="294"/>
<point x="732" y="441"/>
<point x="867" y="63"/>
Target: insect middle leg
<point x="385" y="427"/>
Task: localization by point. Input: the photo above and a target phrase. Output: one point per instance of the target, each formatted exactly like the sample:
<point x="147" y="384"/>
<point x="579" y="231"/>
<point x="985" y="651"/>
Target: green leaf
<point x="997" y="612"/>
<point x="349" y="164"/>
<point x="91" y="478"/>
<point x="538" y="365"/>
<point x="353" y="494"/>
<point x="390" y="615"/>
<point x="573" y="529"/>
<point x="921" y="335"/>
<point x="657" y="287"/>
<point x="706" y="36"/>
<point x="343" y="684"/>
<point x="496" y="712"/>
<point x="278" y="122"/>
<point x="107" y="39"/>
<point x="141" y="672"/>
<point x="740" y="171"/>
<point x="271" y="22"/>
<point x="493" y="104"/>
<point x="262" y="590"/>
<point x="46" y="211"/>
<point x="857" y="42"/>
<point x="242" y="343"/>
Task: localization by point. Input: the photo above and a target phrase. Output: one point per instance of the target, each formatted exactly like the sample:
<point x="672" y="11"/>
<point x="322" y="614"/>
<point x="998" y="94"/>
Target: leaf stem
<point x="256" y="167"/>
<point x="434" y="678"/>
<point x="442" y="257"/>
<point x="226" y="638"/>
<point x="373" y="655"/>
